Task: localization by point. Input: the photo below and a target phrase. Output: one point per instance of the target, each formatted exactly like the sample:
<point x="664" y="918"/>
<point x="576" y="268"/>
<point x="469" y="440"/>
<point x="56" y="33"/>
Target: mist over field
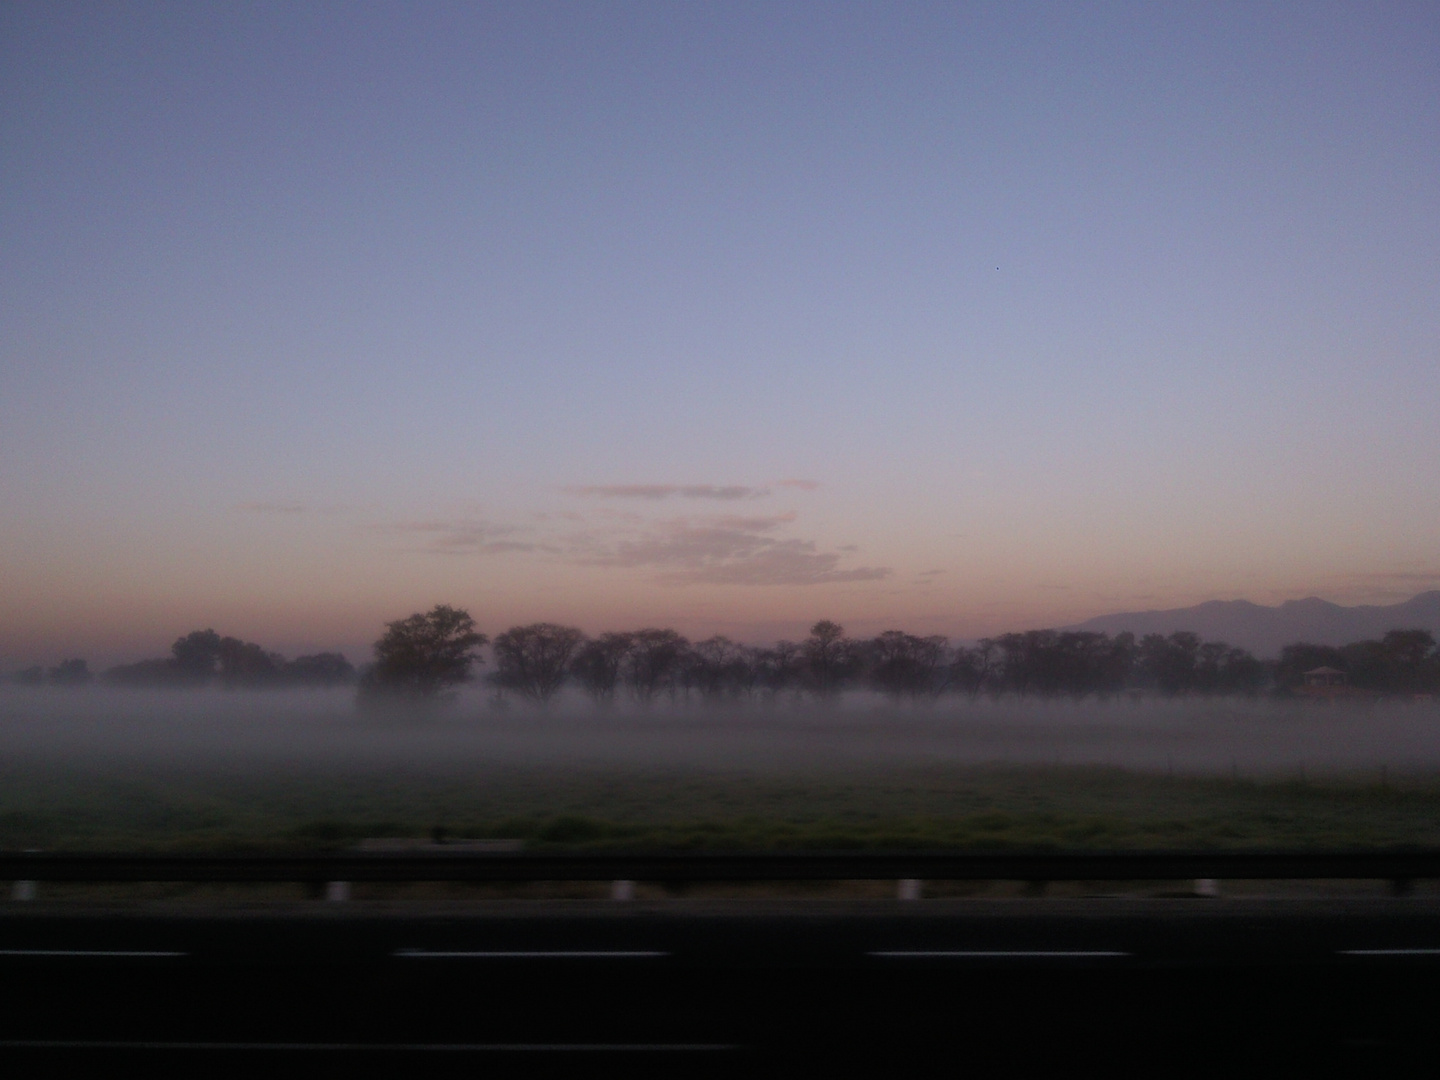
<point x="323" y="730"/>
<point x="100" y="769"/>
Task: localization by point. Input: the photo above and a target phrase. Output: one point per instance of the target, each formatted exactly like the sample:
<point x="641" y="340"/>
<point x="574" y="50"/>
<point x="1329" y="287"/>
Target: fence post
<point x="1207" y="886"/>
<point x="337" y="891"/>
<point x="908" y="888"/>
<point x="622" y="890"/>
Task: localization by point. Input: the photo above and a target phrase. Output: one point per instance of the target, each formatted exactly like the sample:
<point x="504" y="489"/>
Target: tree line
<point x="204" y="658"/>
<point x="1401" y="662"/>
<point x="427" y="654"/>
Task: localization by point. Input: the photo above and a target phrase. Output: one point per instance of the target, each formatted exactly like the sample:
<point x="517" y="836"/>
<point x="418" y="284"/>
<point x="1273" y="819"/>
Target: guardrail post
<point x="337" y="891"/>
<point x="908" y="889"/>
<point x="23" y="890"/>
<point x="622" y="890"/>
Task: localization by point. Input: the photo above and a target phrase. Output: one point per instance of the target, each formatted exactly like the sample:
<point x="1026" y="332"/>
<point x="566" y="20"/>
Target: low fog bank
<point x="323" y="729"/>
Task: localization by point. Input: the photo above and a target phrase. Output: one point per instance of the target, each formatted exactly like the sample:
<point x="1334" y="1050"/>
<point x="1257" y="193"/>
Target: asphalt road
<point x="718" y="987"/>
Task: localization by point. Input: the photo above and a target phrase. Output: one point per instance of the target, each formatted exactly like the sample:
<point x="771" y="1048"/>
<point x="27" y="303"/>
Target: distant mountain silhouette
<point x="1265" y="630"/>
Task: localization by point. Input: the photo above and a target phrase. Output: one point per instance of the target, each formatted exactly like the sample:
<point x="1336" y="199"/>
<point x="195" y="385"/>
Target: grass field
<point x="975" y="808"/>
<point x="105" y="771"/>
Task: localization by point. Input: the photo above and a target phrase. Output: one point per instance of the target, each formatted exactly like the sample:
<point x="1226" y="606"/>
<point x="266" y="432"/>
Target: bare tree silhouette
<point x="597" y="665"/>
<point x="903" y="665"/>
<point x="828" y="657"/>
<point x="534" y="660"/>
<point x="655" y="658"/>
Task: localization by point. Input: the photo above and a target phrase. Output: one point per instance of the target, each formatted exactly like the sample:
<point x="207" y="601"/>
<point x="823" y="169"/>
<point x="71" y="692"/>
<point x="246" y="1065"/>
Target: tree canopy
<point x="425" y="654"/>
<point x="534" y="660"/>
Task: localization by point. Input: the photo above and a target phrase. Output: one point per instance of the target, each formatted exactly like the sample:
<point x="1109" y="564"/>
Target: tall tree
<point x="197" y="655"/>
<point x="427" y="653"/>
<point x="1170" y="663"/>
<point x="1409" y="655"/>
<point x="597" y="665"/>
<point x="778" y="668"/>
<point x="655" y="658"/>
<point x="828" y="657"/>
<point x="243" y="663"/>
<point x="1242" y="673"/>
<point x="1026" y="661"/>
<point x="534" y="660"/>
<point x="903" y="665"/>
<point x="972" y="669"/>
<point x="721" y="668"/>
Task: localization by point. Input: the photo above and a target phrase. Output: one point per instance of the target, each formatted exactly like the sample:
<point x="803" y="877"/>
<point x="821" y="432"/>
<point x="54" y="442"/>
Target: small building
<point x="1325" y="684"/>
<point x="1324" y="677"/>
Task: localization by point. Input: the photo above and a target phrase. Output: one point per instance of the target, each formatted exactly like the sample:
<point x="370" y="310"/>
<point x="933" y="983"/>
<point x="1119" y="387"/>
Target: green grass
<point x="95" y="808"/>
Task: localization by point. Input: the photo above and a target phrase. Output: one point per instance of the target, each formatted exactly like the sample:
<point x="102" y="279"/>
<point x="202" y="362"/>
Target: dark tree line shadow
<point x="426" y="656"/>
<point x="204" y="658"/>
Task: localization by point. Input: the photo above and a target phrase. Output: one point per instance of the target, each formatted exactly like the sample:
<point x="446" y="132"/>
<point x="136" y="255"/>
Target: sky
<point x="956" y="318"/>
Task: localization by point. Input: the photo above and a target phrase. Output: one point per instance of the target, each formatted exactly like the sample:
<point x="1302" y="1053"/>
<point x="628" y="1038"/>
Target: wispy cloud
<point x="464" y="537"/>
<point x="281" y="506"/>
<point x="713" y="549"/>
<point x="786" y="562"/>
<point x="726" y="550"/>
<point x="803" y="485"/>
<point x="273" y="507"/>
<point x="657" y="492"/>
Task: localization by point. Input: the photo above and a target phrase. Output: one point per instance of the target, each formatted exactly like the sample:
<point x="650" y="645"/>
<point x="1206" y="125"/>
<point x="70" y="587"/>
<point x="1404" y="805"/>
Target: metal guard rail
<point x="712" y="866"/>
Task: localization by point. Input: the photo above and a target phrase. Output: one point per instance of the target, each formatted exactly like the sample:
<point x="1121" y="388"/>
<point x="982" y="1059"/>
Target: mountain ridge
<point x="1266" y="630"/>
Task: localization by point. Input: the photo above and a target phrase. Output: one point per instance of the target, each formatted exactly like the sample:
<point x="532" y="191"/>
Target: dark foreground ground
<point x="684" y="988"/>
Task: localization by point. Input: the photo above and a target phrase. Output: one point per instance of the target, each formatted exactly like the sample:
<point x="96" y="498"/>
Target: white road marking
<point x="988" y="954"/>
<point x="532" y="954"/>
<point x="1389" y="952"/>
<point x="90" y="952"/>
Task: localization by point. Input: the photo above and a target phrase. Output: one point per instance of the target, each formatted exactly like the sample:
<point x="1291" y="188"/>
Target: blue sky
<point x="1000" y="315"/>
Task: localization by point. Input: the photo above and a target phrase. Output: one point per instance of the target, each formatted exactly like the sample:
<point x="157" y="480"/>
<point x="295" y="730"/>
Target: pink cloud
<point x="722" y="551"/>
<point x="666" y="491"/>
